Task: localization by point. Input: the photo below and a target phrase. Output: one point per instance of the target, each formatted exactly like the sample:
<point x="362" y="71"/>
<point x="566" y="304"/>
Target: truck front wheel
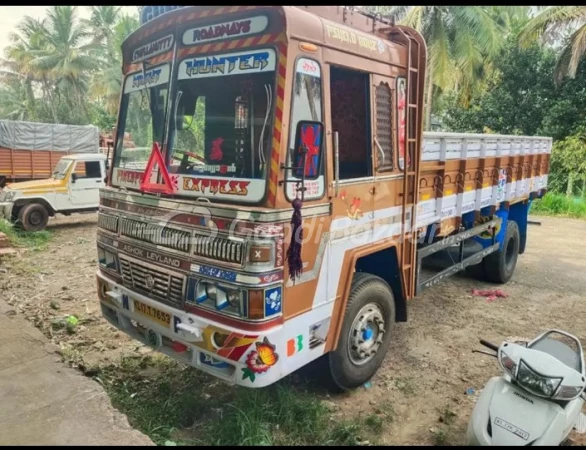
<point x="366" y="332"/>
<point x="33" y="217"/>
<point x="500" y="266"/>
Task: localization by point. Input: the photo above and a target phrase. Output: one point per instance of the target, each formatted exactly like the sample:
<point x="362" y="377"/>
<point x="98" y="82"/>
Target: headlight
<point x="535" y="383"/>
<point x="508" y="364"/>
<point x="254" y="304"/>
<point x="7" y="196"/>
<point x="107" y="259"/>
<point x="223" y="299"/>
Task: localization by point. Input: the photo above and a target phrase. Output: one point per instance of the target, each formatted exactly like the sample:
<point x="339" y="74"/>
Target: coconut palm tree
<point x="106" y="82"/>
<point x="555" y="20"/>
<point x="461" y="40"/>
<point x="66" y="57"/>
<point x="101" y="24"/>
<point x="18" y="71"/>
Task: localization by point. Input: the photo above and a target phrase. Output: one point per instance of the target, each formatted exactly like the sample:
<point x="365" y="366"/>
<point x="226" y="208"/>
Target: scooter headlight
<point x="535" y="383"/>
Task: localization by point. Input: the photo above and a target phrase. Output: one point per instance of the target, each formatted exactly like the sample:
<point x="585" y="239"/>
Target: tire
<point x="371" y="302"/>
<point x="33" y="217"/>
<point x="500" y="266"/>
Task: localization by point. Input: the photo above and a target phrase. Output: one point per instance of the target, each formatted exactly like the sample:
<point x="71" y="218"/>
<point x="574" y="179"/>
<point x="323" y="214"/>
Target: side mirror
<point x="73" y="177"/>
<point x="308" y="150"/>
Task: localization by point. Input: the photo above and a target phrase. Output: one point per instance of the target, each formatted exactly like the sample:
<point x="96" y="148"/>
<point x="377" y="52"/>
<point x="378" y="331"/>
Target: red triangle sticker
<point x="157" y="188"/>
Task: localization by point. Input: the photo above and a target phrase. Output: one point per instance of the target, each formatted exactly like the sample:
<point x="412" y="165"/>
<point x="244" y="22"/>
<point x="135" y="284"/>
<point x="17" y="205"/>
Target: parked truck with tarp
<point x="31" y="150"/>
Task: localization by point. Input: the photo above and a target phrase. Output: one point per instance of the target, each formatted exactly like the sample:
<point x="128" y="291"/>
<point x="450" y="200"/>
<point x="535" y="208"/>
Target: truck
<point x="31" y="150"/>
<point x="289" y="197"/>
<point x="73" y="187"/>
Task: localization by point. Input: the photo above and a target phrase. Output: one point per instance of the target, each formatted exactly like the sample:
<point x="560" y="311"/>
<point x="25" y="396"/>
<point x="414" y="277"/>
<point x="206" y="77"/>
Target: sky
<point x="10" y="16"/>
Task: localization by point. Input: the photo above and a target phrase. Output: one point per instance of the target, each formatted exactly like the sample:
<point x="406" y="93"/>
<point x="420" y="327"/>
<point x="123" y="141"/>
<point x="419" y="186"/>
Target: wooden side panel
<point x="20" y="165"/>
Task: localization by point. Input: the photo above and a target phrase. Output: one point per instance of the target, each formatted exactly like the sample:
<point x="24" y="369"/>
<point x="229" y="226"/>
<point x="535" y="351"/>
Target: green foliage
<point x="64" y="69"/>
<point x="34" y="240"/>
<point x="553" y="204"/>
<point x="517" y="99"/>
<point x="172" y="403"/>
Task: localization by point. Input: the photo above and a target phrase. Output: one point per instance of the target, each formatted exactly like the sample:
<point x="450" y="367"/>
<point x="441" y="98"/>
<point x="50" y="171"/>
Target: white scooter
<point x="539" y="398"/>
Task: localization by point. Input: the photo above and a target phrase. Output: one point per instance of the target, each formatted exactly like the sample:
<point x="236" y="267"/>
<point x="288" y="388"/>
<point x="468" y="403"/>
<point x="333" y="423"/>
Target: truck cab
<point x="73" y="187"/>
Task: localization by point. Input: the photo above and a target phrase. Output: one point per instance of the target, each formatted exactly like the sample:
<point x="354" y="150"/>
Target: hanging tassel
<point x="294" y="250"/>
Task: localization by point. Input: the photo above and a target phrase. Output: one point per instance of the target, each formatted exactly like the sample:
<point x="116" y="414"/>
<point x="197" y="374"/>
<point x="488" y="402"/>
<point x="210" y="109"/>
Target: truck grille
<point x="108" y="222"/>
<point x="163" y="286"/>
<point x="217" y="248"/>
<point x="156" y="234"/>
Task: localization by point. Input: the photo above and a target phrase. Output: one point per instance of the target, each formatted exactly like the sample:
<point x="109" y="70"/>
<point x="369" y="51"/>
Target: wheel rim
<point x="510" y="253"/>
<point x="366" y="334"/>
<point x="35" y="218"/>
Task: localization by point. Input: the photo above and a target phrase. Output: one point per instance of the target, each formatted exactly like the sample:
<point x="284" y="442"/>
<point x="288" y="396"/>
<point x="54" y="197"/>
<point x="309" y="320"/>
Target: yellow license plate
<point x="152" y="313"/>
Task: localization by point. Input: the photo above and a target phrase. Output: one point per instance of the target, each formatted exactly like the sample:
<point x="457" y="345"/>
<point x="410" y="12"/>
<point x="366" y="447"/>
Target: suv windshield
<point x="142" y="115"/>
<point x="61" y="169"/>
<point x="223" y="115"/>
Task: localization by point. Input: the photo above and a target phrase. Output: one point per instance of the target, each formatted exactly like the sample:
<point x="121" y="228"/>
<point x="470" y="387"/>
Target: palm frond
<point x="551" y="16"/>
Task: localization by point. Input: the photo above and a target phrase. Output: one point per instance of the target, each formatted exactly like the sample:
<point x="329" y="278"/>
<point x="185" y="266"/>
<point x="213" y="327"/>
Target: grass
<point x="177" y="405"/>
<point x="441" y="434"/>
<point x="553" y="204"/>
<point x="36" y="240"/>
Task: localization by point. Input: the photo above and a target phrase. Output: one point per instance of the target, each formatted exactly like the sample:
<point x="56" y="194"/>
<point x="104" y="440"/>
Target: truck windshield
<point x="222" y="119"/>
<point x="61" y="169"/>
<point x="142" y="115"/>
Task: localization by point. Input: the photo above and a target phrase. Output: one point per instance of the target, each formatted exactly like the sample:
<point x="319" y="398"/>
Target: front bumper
<point x="227" y="353"/>
<point x="6" y="210"/>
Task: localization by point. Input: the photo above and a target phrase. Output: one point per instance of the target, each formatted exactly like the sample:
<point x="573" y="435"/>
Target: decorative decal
<point x="502" y="183"/>
<point x="225" y="30"/>
<point x="260" y="360"/>
<point x="254" y="61"/>
<point x="308" y="67"/>
<point x="150" y="78"/>
<point x="294" y="345"/>
<point x="216" y="186"/>
<point x="352" y="209"/>
<point x="214" y="272"/>
<point x="123" y="177"/>
<point x="224" y="343"/>
<point x="212" y="362"/>
<point x="211" y="169"/>
<point x="362" y="41"/>
<point x="310" y="137"/>
<point x="318" y="333"/>
<point x="272" y="301"/>
<point x="216" y="154"/>
<point x="152" y="48"/>
<point x="151" y="12"/>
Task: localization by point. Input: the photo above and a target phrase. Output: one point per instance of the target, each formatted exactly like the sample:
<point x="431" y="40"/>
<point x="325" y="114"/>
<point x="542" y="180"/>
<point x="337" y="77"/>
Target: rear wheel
<point x="33" y="217"/>
<point x="366" y="332"/>
<point x="500" y="266"/>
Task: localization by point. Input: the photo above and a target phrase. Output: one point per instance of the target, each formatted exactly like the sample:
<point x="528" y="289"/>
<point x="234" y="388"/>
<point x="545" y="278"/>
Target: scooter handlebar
<point x="489" y="345"/>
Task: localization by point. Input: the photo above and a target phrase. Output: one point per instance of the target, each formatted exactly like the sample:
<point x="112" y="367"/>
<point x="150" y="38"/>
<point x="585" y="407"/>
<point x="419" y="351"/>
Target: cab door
<point x="349" y="114"/>
<point x="84" y="184"/>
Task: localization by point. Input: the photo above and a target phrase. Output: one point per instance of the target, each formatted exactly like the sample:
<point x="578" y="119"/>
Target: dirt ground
<point x="430" y="379"/>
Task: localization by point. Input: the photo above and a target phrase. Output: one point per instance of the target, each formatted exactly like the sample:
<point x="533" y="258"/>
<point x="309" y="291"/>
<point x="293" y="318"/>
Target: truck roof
<point x="349" y="29"/>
